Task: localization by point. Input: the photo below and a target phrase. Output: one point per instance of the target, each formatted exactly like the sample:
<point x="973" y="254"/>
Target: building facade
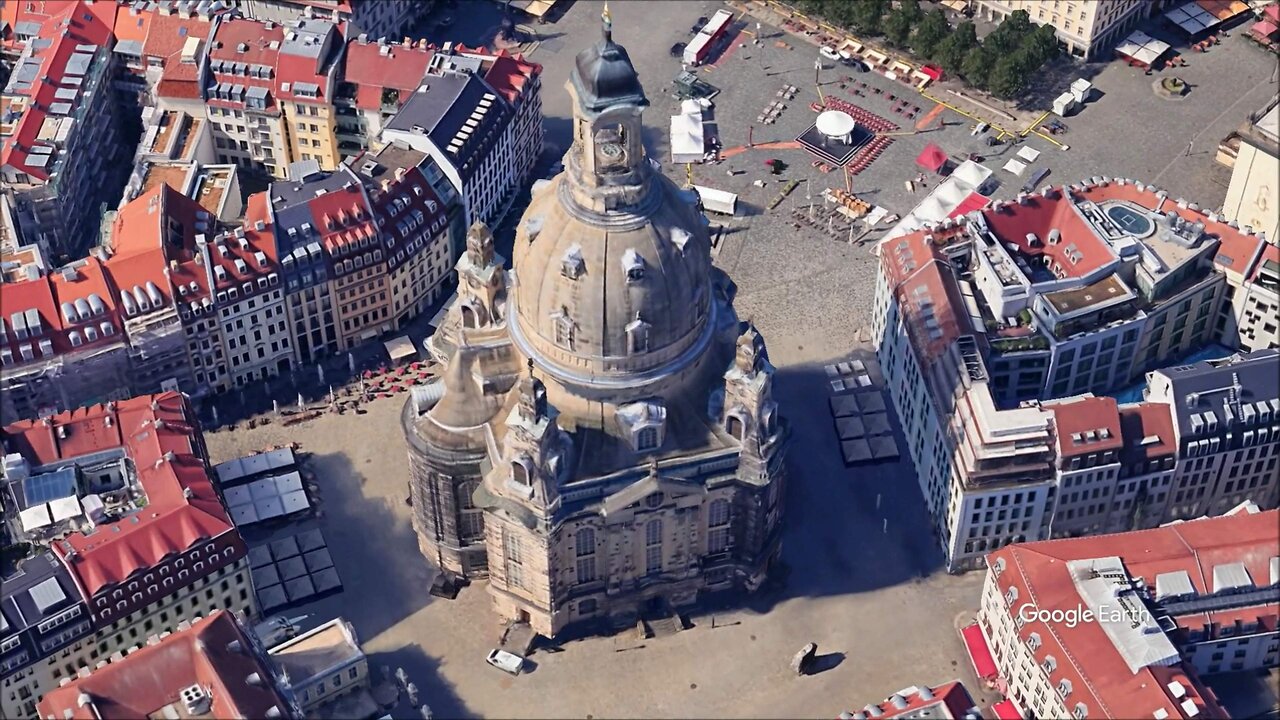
<point x="1086" y="28"/>
<point x="1149" y="612"/>
<point x="322" y="665"/>
<point x="995" y="329"/>
<point x="605" y="429"/>
<point x="1253" y="197"/>
<point x="159" y="549"/>
<point x="212" y="667"/>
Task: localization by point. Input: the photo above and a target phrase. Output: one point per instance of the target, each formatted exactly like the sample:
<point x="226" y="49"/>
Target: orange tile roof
<point x="1040" y="215"/>
<point x="1085" y="655"/>
<point x="1096" y="415"/>
<point x="214" y="653"/>
<point x="157" y="433"/>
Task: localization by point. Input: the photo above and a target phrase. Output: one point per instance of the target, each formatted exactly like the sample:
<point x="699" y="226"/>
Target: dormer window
<point x="633" y="264"/>
<point x="643" y="423"/>
<point x="572" y="265"/>
<point x="647" y="439"/>
<point x="520" y="472"/>
<point x="564" y="328"/>
<point x="637" y="336"/>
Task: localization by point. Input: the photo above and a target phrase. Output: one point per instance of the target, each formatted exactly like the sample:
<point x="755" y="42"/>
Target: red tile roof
<point x="1096" y="415"/>
<point x="1040" y="215"/>
<point x="927" y="294"/>
<point x="158" y="434"/>
<point x="508" y="74"/>
<point x="72" y="24"/>
<point x="1147" y="429"/>
<point x="1085" y="655"/>
<point x="342" y="218"/>
<point x="400" y="68"/>
<point x="950" y="701"/>
<point x="215" y="653"/>
<point x="1237" y="253"/>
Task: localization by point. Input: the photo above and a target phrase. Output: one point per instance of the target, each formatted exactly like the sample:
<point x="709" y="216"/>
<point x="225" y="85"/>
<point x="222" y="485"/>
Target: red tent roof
<point x="979" y="652"/>
<point x="1006" y="711"/>
<point x="933" y="158"/>
<point x="975" y="201"/>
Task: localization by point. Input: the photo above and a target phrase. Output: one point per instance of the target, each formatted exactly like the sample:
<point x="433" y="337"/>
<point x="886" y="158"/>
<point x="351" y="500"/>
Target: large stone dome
<point x="612" y="260"/>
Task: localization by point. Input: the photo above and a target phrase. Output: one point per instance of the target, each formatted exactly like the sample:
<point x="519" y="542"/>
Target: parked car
<point x="853" y="62"/>
<point x="829" y="53"/>
<point x="505" y="661"/>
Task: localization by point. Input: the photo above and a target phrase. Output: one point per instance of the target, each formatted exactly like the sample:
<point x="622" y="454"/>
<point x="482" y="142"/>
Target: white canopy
<point x="1142" y="47"/>
<point x="835" y="123"/>
<point x="35" y="517"/>
<point x="1028" y="153"/>
<point x="687" y="141"/>
<point x="1015" y="167"/>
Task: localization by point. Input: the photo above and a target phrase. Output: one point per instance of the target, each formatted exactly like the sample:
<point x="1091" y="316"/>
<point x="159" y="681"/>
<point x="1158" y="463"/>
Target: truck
<point x="700" y="47"/>
<point x="717" y="201"/>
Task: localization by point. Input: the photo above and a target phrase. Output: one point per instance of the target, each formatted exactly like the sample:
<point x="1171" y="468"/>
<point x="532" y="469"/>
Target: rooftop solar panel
<point x="48" y="487"/>
<point x="47" y="594"/>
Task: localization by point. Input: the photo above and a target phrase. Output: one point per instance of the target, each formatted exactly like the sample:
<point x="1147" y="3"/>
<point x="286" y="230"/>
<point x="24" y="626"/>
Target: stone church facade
<point x="604" y="442"/>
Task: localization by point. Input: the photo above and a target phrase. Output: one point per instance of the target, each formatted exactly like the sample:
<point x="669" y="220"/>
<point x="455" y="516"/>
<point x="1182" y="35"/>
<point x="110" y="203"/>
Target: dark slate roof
<point x="1206" y="386"/>
<point x="604" y="77"/>
<point x="441" y="107"/>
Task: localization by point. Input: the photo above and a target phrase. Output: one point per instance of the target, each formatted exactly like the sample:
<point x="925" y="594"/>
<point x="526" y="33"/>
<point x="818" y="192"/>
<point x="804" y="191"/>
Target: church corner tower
<point x="604" y="443"/>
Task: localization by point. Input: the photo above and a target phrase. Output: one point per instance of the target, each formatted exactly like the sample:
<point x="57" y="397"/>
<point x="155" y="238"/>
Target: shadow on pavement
<point x="424" y="672"/>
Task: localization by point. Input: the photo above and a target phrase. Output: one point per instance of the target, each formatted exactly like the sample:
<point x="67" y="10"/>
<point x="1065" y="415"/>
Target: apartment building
<point x="151" y="235"/>
<point x="212" y="667"/>
<point x="121" y="495"/>
<point x="1226" y="414"/>
<point x="359" y="275"/>
<point x="1124" y="625"/>
<point x="61" y="343"/>
<point x="43" y="612"/>
<point x="246" y="118"/>
<point x="1253" y="198"/>
<point x="1086" y="28"/>
<point x="304" y="261"/>
<point x="60" y="155"/>
<point x="517" y="81"/>
<point x="160" y="49"/>
<point x="249" y="299"/>
<point x="416" y="231"/>
<point x="322" y="665"/>
<point x="378" y="19"/>
<point x="982" y="323"/>
<point x="310" y="57"/>
<point x="468" y="129"/>
<point x="378" y="77"/>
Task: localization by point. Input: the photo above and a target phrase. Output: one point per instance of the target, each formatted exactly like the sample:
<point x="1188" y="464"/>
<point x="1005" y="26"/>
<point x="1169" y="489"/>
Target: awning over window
<point x="979" y="652"/>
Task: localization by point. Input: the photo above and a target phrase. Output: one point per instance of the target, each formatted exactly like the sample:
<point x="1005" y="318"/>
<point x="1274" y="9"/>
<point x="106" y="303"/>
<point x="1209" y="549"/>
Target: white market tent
<point x="1015" y="167"/>
<point x="721" y="201"/>
<point x="1142" y="48"/>
<point x="1192" y="18"/>
<point x="400" y="349"/>
<point x="688" y="144"/>
<point x="958" y="191"/>
<point x="1028" y="153"/>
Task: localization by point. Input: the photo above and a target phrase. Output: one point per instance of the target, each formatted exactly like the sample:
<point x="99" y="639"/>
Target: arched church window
<point x="734" y="426"/>
<point x="468" y="316"/>
<point x="647" y="438"/>
<point x="519" y="473"/>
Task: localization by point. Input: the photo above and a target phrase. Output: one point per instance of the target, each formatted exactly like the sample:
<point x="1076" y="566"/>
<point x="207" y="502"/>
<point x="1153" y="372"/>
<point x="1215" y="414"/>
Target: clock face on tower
<point x="611" y="155"/>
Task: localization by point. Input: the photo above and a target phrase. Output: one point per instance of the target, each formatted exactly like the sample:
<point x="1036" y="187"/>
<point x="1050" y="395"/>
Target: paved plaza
<point x="864" y="581"/>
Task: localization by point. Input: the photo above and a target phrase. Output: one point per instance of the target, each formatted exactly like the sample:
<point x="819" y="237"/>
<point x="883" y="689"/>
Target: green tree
<point x="897" y="27"/>
<point x="932" y="29"/>
<point x="1009" y="76"/>
<point x="1041" y="45"/>
<point x="867" y="16"/>
<point x="951" y="52"/>
<point x="1009" y="34"/>
<point x="977" y="66"/>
